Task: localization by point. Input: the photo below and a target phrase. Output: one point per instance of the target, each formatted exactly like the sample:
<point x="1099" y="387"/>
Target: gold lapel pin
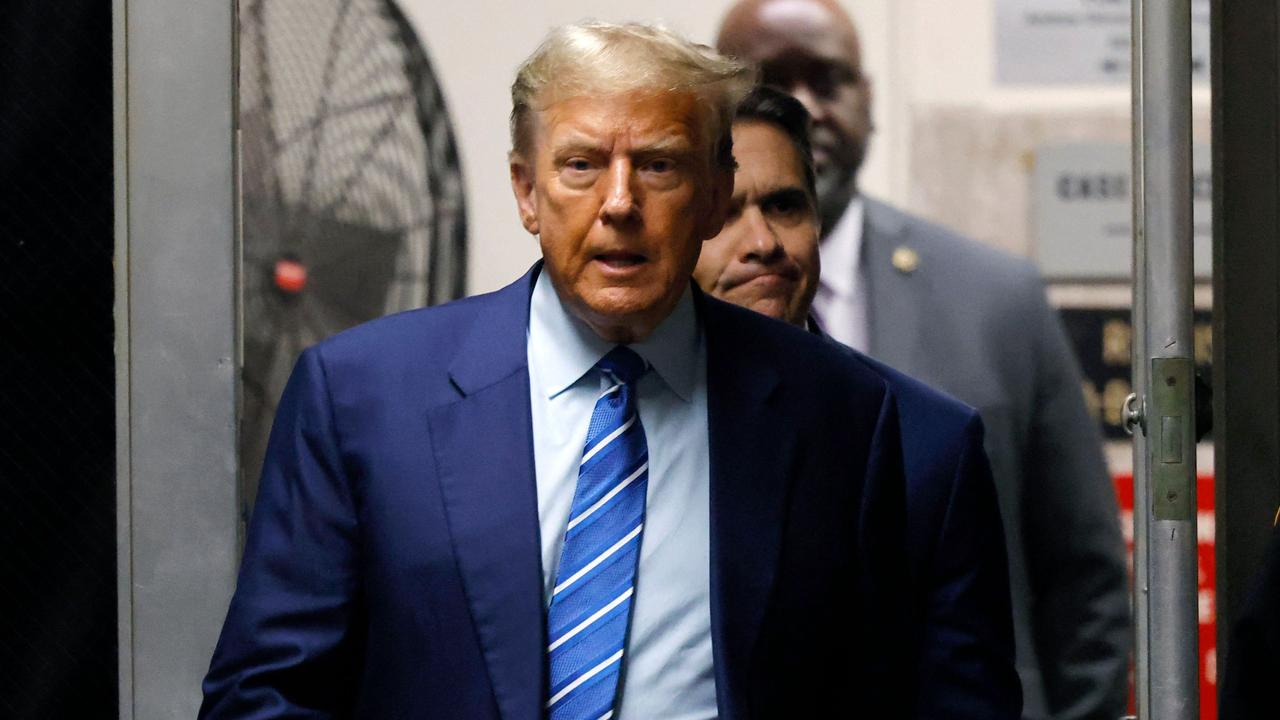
<point x="906" y="260"/>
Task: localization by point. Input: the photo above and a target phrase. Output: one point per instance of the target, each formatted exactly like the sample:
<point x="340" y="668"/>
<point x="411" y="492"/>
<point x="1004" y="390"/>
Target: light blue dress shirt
<point x="667" y="669"/>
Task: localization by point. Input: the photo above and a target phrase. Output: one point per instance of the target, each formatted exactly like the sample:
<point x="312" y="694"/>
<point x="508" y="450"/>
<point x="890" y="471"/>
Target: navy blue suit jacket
<point x="392" y="564"/>
<point x="956" y="555"/>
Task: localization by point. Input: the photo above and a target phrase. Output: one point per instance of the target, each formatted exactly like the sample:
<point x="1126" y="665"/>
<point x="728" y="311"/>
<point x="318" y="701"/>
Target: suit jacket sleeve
<point x="285" y="645"/>
<point x="1071" y="534"/>
<point x="967" y="651"/>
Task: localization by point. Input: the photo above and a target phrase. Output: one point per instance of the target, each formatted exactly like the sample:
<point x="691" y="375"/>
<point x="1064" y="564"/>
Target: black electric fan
<point x="351" y="188"/>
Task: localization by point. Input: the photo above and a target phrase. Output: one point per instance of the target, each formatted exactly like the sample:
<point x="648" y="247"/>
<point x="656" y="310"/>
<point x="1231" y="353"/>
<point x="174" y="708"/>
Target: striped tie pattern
<point x="595" y="584"/>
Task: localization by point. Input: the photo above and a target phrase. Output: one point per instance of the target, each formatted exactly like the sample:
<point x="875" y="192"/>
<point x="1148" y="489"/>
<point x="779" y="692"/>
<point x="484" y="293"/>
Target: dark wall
<point x="1246" y="286"/>
<point x="57" y="376"/>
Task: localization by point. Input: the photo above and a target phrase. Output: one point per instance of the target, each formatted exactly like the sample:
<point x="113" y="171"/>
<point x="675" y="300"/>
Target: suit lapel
<point x="894" y="300"/>
<point x="751" y="452"/>
<point x="483" y="446"/>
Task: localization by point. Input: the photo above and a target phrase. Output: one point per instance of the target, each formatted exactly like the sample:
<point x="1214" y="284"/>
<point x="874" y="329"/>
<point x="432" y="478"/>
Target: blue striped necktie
<point x="595" y="585"/>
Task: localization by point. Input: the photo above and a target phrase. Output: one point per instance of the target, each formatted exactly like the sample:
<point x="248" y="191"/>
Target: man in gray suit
<point x="974" y="322"/>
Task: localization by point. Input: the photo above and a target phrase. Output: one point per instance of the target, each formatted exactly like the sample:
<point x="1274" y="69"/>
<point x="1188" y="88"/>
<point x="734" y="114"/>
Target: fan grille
<point x="350" y="185"/>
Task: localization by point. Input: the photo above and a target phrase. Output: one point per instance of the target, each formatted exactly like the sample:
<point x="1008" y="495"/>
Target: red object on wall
<point x="1208" y="606"/>
<point x="290" y="276"/>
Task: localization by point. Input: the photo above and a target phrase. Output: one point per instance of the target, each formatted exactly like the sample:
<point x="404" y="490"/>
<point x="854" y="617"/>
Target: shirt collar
<point x="565" y="348"/>
<point x="841" y="251"/>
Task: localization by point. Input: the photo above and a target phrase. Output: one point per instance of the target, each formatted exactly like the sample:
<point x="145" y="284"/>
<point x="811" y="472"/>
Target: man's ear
<point x="868" y="99"/>
<point x="721" y="197"/>
<point x="522" y="187"/>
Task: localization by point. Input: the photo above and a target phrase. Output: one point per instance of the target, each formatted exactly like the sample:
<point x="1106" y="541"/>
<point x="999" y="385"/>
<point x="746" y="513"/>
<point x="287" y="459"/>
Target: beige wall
<point x="965" y="147"/>
<point x="951" y="144"/>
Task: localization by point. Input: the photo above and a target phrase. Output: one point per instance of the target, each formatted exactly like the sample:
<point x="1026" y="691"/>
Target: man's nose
<point x="760" y="241"/>
<point x="619" y="202"/>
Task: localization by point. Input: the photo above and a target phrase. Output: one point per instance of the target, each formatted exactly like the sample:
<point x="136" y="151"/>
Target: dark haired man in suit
<point x="973" y="322"/>
<point x="766" y="259"/>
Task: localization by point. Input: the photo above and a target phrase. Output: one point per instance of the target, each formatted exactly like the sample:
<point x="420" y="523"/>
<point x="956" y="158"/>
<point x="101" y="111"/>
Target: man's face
<point x="621" y="190"/>
<point x="766" y="257"/>
<point x="810" y="50"/>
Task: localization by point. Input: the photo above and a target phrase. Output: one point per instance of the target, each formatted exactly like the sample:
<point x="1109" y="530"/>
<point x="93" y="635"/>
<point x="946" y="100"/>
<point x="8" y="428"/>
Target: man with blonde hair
<point x="595" y="492"/>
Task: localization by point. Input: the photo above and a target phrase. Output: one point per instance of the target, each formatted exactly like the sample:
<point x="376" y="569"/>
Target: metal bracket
<point x="1171" y="442"/>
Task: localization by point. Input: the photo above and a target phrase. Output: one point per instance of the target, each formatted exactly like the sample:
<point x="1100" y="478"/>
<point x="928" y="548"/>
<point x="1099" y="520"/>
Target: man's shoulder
<point x="798" y="356"/>
<point x="920" y="405"/>
<point x="438" y="329"/>
<point x="995" y="297"/>
<point x="417" y="353"/>
<point x="950" y="256"/>
<point x="918" y="394"/>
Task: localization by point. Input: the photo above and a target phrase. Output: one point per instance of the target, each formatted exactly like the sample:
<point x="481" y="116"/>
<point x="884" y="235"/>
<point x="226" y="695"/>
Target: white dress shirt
<point x="667" y="669"/>
<point x="841" y="301"/>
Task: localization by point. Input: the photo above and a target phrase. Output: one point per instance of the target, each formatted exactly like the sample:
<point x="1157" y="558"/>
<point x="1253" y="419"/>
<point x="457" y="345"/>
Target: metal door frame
<point x="176" y="377"/>
<point x="1166" y="617"/>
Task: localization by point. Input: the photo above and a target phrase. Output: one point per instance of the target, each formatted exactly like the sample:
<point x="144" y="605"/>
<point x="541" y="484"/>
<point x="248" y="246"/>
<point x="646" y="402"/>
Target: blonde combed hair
<point x="599" y="58"/>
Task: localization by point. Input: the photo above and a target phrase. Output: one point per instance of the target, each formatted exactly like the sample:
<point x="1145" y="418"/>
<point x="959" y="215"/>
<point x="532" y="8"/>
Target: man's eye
<point x="661" y="166"/>
<point x="578" y="164"/>
<point x="782" y="206"/>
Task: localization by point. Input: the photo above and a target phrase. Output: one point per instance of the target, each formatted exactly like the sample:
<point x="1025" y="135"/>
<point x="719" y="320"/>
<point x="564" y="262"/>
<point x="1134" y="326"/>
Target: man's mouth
<point x="770" y="281"/>
<point x="619" y="260"/>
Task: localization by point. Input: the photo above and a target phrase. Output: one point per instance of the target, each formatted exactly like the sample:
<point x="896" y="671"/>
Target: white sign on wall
<point x="1082" y="209"/>
<point x="1050" y="42"/>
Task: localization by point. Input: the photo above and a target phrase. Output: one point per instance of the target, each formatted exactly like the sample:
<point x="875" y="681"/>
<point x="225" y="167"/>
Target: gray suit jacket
<point x="974" y="322"/>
